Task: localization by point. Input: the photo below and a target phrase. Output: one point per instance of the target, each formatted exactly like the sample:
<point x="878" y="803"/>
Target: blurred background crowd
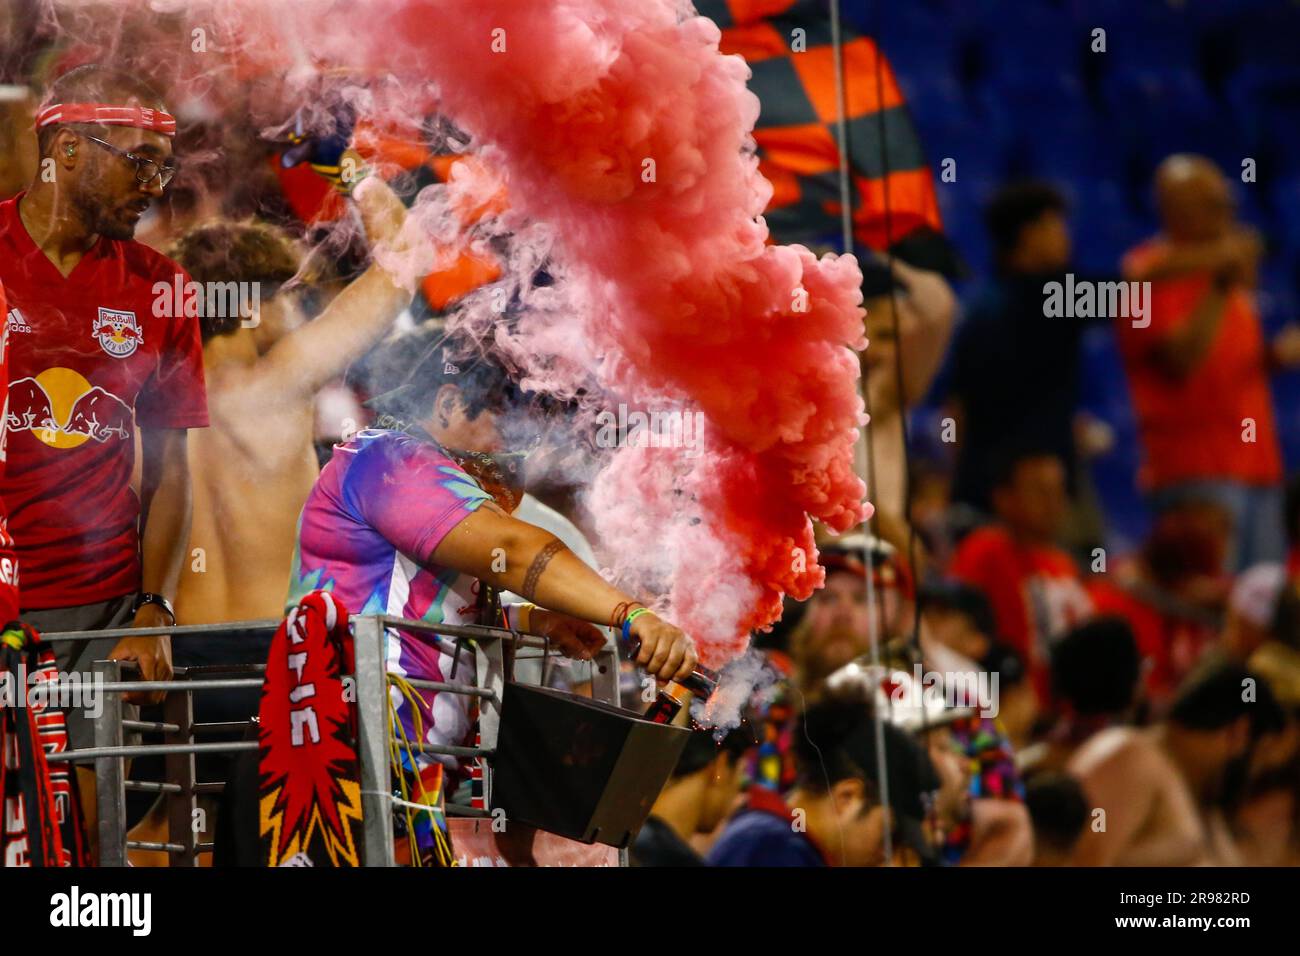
<point x="1093" y="515"/>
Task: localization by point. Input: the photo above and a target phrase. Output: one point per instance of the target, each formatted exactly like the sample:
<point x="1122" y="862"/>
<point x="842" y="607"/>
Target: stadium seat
<point x="1105" y="395"/>
<point x="1268" y="37"/>
<point x="1285" y="197"/>
<point x="1159" y="35"/>
<point x="1009" y="88"/>
<point x="962" y="211"/>
<point x="1104" y="224"/>
<point x="1171" y="111"/>
<point x="1277" y="294"/>
<point x="919" y="41"/>
<point x="1028" y="39"/>
<point x="1266" y="100"/>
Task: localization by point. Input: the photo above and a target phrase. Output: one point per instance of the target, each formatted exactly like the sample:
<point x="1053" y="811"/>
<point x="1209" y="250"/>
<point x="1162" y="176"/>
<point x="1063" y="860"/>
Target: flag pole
<point x="846" y="229"/>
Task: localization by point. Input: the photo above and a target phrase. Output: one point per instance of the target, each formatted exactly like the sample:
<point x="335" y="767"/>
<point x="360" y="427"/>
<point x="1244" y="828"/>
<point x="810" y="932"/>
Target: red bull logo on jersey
<point x="118" y="332"/>
<point x="60" y="408"/>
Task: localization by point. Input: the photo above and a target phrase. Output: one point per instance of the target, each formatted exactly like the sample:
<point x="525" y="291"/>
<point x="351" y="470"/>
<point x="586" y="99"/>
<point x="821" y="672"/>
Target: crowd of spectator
<point x="1143" y="704"/>
<point x="984" y="679"/>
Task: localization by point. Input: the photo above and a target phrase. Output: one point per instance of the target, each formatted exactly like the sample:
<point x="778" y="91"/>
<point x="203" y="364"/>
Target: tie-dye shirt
<point x="381" y="505"/>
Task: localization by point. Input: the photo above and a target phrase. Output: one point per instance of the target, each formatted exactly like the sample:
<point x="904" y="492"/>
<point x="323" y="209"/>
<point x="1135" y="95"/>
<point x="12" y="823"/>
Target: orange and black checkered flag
<point x="794" y="79"/>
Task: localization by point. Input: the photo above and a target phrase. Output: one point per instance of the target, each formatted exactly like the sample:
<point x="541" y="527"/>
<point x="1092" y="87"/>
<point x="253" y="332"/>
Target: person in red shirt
<point x="1172" y="594"/>
<point x="8" y="560"/>
<point x="1033" y="586"/>
<point x="1198" y="369"/>
<point x="92" y="356"/>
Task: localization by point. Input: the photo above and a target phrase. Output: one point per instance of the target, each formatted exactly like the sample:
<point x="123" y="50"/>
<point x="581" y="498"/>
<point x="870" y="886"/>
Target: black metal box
<point x="578" y="767"/>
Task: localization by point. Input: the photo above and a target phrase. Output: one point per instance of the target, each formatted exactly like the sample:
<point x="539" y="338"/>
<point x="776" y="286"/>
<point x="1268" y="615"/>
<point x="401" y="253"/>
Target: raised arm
<point x="318" y="352"/>
<point x="1238" y="250"/>
<point x="538" y="567"/>
<point x="925" y="326"/>
<point x="1182" y="351"/>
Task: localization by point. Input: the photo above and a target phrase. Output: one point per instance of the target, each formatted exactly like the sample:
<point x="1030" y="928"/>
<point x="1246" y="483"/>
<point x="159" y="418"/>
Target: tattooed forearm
<point x="535" y="569"/>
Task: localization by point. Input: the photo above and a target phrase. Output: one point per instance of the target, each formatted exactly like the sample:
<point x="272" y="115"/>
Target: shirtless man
<point x="255" y="465"/>
<point x="926" y="308"/>
<point x="1159" y="786"/>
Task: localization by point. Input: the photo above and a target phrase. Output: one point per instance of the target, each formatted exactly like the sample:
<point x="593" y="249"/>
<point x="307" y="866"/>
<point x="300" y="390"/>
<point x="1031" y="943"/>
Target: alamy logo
<point x="213" y="300"/>
<point x="1084" y="299"/>
<point x="947" y="690"/>
<point x="44" y="688"/>
<point x="670" y="429"/>
<point x="133" y="910"/>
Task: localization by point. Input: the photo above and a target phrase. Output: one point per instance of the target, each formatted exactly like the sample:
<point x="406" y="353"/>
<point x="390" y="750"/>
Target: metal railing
<point x="179" y="729"/>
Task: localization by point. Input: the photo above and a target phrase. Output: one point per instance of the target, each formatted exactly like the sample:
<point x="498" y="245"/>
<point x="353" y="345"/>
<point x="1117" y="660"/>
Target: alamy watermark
<point x="1085" y="299"/>
<point x="656" y="429"/>
<point x="133" y="911"/>
<point x="949" y="690"/>
<point x="221" y="300"/>
<point x="42" y="689"/>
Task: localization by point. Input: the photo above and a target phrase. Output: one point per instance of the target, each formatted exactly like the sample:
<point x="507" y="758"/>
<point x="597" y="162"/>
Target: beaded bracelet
<point x="620" y="611"/>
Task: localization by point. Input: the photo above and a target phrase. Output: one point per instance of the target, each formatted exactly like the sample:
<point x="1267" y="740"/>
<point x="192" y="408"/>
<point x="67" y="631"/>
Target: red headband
<point x="140" y="117"/>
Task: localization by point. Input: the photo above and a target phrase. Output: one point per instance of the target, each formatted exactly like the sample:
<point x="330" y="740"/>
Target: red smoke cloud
<point x="622" y="135"/>
<point x="619" y="125"/>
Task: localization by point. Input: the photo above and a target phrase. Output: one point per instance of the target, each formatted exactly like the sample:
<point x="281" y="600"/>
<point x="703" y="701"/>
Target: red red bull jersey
<point x="8" y="562"/>
<point x="88" y="360"/>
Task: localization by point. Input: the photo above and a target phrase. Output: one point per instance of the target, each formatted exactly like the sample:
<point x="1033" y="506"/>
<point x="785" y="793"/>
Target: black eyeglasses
<point x="145" y="169"/>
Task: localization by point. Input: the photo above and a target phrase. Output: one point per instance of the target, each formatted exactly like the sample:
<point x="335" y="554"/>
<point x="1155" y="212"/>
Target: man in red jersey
<point x="1033" y="587"/>
<point x="8" y="561"/>
<point x="1198" y="372"/>
<point x="91" y="356"/>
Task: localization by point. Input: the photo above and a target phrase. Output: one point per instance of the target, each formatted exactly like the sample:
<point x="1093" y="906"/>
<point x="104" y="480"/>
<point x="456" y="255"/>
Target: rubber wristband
<point x="632" y="616"/>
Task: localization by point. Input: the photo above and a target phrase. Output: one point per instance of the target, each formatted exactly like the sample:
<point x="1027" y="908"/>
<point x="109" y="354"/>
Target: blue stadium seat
<point x="1028" y="40"/>
<point x="1285" y="202"/>
<point x="1254" y="203"/>
<point x="1035" y="94"/>
<point x="1171" y="111"/>
<point x="1265" y="99"/>
<point x="932" y="93"/>
<point x="1154" y="34"/>
<point x="1105" y="395"/>
<point x="1075" y="147"/>
<point x="1104" y="224"/>
<point x="916" y="39"/>
<point x="1277" y="293"/>
<point x="962" y="206"/>
<point x="1010" y="88"/>
<point x="1052" y="129"/>
<point x="1267" y="36"/>
<point x="979" y="151"/>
